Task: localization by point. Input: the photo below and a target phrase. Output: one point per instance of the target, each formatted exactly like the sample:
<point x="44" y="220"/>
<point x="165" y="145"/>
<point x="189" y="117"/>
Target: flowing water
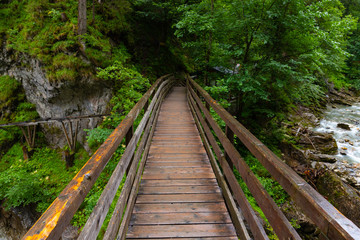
<point x="348" y="141"/>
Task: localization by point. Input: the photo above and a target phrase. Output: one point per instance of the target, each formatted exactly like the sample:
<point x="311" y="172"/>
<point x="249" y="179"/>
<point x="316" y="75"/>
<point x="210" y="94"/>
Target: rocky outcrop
<point x="84" y="97"/>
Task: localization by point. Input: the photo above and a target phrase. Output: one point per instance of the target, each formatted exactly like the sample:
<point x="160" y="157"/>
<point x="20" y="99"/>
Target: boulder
<point x="344" y="197"/>
<point x="292" y="155"/>
<point x="306" y="228"/>
<point x="343" y="126"/>
<point x="322" y="142"/>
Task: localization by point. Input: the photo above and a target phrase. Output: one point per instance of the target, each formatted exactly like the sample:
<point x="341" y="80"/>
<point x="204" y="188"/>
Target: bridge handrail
<point x="58" y="216"/>
<point x="330" y="221"/>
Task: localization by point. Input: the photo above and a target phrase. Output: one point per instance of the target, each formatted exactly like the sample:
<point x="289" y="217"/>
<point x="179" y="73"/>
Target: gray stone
<point x="84" y="97"/>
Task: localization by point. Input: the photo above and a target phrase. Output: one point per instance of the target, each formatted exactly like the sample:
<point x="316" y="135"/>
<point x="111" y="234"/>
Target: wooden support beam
<point x="47" y="120"/>
<point x="66" y="134"/>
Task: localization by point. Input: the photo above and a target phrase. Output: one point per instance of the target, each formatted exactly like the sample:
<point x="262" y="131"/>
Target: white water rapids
<point x="348" y="141"/>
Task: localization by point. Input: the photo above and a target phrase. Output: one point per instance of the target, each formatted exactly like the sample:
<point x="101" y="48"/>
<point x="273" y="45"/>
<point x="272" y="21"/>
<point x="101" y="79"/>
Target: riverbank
<point x="324" y="151"/>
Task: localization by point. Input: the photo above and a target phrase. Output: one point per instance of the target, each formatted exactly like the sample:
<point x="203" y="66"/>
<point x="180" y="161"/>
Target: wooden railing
<point x="58" y="216"/>
<point x="329" y="220"/>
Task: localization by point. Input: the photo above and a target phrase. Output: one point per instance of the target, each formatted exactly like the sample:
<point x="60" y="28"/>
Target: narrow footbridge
<point x="180" y="183"/>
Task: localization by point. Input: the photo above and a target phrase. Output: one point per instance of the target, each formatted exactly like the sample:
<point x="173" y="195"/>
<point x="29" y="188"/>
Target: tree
<point x="286" y="50"/>
<point x="82" y="17"/>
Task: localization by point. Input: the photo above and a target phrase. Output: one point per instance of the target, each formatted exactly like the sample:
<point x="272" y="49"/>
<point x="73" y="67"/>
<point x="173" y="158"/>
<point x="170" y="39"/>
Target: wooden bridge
<point x="179" y="178"/>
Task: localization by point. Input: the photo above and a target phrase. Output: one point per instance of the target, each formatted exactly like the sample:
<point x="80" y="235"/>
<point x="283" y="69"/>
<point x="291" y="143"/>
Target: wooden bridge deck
<point x="179" y="196"/>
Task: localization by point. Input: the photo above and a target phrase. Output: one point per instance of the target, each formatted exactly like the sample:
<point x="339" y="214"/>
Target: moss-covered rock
<point x="321" y="142"/>
<point x="345" y="198"/>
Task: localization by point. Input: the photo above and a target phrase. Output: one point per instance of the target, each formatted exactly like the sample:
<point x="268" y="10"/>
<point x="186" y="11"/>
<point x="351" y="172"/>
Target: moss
<point x="8" y="86"/>
<point x="38" y="29"/>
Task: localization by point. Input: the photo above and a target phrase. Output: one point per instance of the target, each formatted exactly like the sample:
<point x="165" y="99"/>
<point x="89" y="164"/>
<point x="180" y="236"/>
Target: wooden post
<point x="69" y="158"/>
<point x="230" y="135"/>
<point x="129" y="135"/>
<point x="25" y="152"/>
<point x="29" y="136"/>
<point x="146" y="106"/>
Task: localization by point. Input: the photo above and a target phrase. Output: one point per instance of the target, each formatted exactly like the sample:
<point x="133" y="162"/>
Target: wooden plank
<point x="202" y="238"/>
<point x="180" y="218"/>
<point x="179" y="176"/>
<point x="176" y="138"/>
<point x="322" y="213"/>
<point x="179" y="155"/>
<point x="168" y="164"/>
<point x="179" y="207"/>
<point x="178" y="189"/>
<point x="165" y="231"/>
<point x="179" y="182"/>
<point x="178" y="150"/>
<point x="180" y="198"/>
<point x="177" y="158"/>
<point x="193" y="170"/>
<point x="175" y="142"/>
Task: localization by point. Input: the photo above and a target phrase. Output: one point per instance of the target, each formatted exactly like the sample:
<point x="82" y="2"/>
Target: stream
<point x="348" y="141"/>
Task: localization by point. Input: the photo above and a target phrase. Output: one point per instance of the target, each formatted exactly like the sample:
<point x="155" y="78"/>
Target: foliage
<point x="48" y="31"/>
<point x="13" y="108"/>
<point x="129" y="86"/>
<point x="37" y="180"/>
<point x="268" y="54"/>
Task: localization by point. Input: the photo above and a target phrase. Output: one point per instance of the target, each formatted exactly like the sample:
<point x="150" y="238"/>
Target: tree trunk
<point x="93" y="12"/>
<point x="82" y="17"/>
<point x="208" y="50"/>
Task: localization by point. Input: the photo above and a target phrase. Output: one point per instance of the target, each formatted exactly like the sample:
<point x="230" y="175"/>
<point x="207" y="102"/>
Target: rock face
<point x="84" y="97"/>
<point x="16" y="222"/>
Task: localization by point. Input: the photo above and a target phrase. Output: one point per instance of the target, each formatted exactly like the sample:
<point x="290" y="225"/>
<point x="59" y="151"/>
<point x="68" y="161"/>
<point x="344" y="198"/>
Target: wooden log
<point x="331" y="222"/>
<point x="58" y="216"/>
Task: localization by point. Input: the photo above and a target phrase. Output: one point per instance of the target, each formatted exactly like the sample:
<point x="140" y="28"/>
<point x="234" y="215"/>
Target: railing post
<point x="230" y="135"/>
<point x="146" y="106"/>
<point x="129" y="135"/>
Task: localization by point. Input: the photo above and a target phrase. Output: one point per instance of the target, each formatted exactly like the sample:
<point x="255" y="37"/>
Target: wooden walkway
<point x="179" y="195"/>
